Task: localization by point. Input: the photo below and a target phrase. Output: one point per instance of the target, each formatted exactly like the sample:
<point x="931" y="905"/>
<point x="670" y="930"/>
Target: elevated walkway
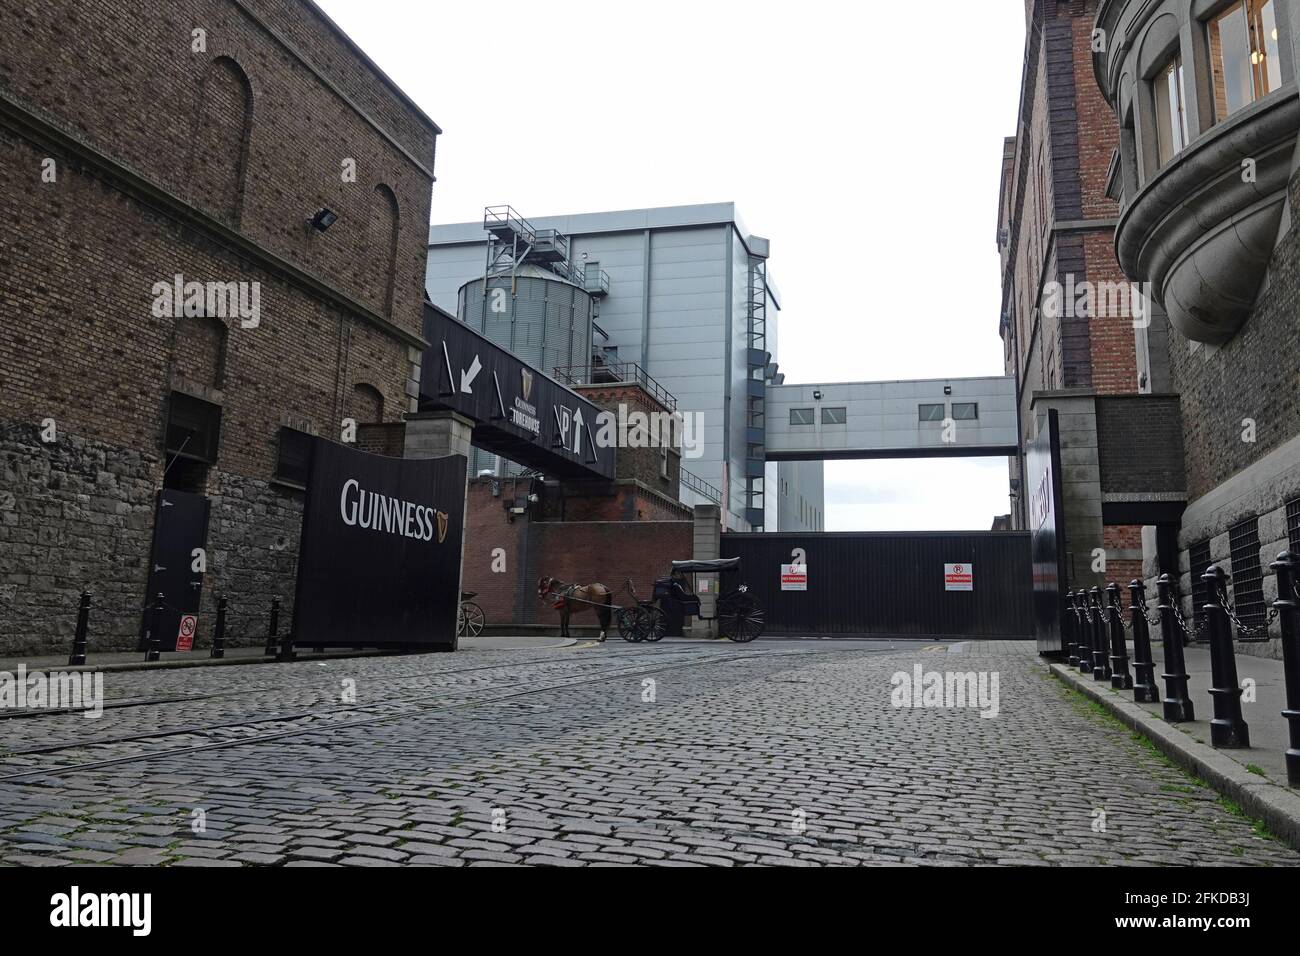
<point x="928" y="418"/>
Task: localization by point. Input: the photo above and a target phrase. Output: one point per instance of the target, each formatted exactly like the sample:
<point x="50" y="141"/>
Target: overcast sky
<point x="863" y="139"/>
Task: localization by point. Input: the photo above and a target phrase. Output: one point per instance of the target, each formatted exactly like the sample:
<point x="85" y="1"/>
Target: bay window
<point x="1244" y="56"/>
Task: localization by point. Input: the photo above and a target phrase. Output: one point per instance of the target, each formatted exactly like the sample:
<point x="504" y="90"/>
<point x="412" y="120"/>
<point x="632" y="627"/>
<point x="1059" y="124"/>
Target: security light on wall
<point x="323" y="219"/>
<point x="947" y="389"/>
<point x="817" y="395"/>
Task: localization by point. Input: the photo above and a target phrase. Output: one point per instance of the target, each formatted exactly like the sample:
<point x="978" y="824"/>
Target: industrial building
<point x="680" y="297"/>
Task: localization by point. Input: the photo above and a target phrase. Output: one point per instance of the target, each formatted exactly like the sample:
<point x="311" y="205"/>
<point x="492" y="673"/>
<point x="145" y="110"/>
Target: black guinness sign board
<point x="379" y="563"/>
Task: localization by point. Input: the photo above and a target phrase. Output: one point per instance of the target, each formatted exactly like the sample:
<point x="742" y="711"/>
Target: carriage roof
<point x="706" y="567"/>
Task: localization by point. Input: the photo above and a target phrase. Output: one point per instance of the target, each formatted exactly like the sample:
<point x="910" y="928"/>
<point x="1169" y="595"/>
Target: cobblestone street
<point x="782" y="752"/>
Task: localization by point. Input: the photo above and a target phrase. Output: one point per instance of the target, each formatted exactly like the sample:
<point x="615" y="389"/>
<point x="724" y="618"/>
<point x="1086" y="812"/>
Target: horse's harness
<point x="561" y="597"/>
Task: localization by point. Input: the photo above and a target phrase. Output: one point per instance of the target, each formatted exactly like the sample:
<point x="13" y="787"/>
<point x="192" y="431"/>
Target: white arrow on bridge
<point x="577" y="432"/>
<point x="467" y="378"/>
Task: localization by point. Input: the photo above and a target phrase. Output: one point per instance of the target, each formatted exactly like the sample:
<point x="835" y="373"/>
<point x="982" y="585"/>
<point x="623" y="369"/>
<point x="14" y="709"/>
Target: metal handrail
<point x="507" y="216"/>
<point x="701" y="487"/>
<point x="618" y="373"/>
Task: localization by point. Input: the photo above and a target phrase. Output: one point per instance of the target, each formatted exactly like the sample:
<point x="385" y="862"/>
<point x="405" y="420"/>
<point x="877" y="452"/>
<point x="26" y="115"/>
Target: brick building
<point x="1072" y="338"/>
<point x="144" y="147"/>
<point x="1203" y="98"/>
<point x="522" y="528"/>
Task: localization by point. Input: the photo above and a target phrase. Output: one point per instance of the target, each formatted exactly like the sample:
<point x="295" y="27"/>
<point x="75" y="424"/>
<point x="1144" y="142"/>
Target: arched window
<point x="224" y="127"/>
<point x="367" y="406"/>
<point x="383" y="245"/>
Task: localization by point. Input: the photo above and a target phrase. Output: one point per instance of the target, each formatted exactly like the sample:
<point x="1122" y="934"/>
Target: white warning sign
<point x="958" y="577"/>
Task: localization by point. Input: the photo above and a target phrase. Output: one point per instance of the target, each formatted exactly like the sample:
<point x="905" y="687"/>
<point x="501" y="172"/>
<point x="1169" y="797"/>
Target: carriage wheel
<point x="740" y="619"/>
<point x="658" y="624"/>
<point x="469" y="619"/>
<point x="631" y="627"/>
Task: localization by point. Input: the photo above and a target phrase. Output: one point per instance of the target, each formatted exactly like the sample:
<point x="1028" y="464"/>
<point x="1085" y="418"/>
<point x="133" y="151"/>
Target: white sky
<point x="862" y="138"/>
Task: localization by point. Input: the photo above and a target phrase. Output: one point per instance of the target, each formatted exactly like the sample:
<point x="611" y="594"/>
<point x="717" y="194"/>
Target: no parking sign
<point x="185" y="636"/>
<point x="958" y="577"/>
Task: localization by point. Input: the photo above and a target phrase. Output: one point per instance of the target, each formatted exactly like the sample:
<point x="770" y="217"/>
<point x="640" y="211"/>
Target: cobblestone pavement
<point x="781" y="752"/>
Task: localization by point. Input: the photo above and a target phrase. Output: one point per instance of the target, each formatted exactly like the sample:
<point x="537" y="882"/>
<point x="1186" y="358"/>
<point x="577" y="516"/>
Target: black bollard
<point x="272" y="631"/>
<point x="219" y="633"/>
<point x="1072" y="621"/>
<point x="1178" y="706"/>
<point x="286" y="648"/>
<point x="1100" y="657"/>
<point x="1144" y="686"/>
<point x="155" y="631"/>
<point x="1085" y="632"/>
<point x="78" y="655"/>
<point x="1120" y="678"/>
<point x="1228" y="729"/>
<point x="1287" y="609"/>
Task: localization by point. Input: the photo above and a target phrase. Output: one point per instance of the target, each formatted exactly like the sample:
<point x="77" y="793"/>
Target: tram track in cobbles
<point x="334" y="719"/>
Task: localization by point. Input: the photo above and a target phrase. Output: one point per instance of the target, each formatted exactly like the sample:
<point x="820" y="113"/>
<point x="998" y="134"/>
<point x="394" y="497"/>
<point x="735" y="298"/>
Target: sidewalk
<point x="1255" y="778"/>
<point x="134" y="660"/>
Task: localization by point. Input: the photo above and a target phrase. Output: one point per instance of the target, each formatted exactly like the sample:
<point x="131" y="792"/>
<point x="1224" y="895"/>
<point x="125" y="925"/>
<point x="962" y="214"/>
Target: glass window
<point x="835" y="416"/>
<point x="932" y="413"/>
<point x="1171" y="116"/>
<point x="1244" y="56"/>
<point x="965" y="411"/>
<point x="801" y="416"/>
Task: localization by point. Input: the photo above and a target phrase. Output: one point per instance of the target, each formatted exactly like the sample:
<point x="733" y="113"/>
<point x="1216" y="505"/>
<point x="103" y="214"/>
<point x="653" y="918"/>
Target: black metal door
<point x="180" y="526"/>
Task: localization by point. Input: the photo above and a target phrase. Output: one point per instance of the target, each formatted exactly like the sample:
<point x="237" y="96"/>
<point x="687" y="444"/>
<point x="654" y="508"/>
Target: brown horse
<point x="567" y="598"/>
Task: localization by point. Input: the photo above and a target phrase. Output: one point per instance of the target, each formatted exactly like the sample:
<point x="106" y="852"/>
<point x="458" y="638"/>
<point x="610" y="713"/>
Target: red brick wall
<point x="608" y="552"/>
<point x="122" y="75"/>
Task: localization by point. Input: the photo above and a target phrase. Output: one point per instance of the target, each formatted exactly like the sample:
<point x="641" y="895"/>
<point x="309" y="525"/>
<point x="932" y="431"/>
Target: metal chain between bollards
<point x="1245" y="630"/>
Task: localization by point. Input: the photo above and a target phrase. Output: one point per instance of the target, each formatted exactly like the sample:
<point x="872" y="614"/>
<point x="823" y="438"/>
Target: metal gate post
<point x="1178" y="706"/>
<point x="1120" y="678"/>
<point x="1287" y="609"/>
<point x="219" y="635"/>
<point x="1228" y="729"/>
<point x="78" y="656"/>
<point x="1144" y="687"/>
<point x="1100" y="663"/>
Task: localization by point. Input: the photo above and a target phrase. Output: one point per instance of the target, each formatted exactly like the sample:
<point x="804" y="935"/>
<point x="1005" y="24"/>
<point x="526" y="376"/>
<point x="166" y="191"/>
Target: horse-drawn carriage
<point x="738" y="615"/>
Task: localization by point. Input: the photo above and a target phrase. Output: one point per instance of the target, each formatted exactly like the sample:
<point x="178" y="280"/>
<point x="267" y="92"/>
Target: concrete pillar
<point x="707" y="547"/>
<point x="441" y="435"/>
<point x="437" y="435"/>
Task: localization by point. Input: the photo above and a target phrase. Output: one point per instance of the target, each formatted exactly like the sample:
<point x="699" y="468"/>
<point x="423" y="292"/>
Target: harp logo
<point x="527" y="376"/>
<point x="443" y="518"/>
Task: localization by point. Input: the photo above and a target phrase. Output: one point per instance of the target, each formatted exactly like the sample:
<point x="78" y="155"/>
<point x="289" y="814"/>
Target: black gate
<point x="180" y="526"/>
<point x="921" y="584"/>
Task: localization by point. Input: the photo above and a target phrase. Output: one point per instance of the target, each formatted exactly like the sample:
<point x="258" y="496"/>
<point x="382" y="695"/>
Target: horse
<point x="563" y="597"/>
